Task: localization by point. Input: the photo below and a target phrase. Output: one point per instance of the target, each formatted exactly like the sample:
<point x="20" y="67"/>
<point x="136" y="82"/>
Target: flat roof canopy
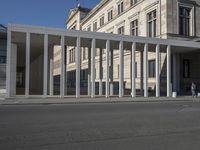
<point x="18" y="36"/>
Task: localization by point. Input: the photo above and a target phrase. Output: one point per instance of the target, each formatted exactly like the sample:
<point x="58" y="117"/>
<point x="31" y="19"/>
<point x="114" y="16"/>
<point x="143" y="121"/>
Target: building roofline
<point x="94" y="10"/>
<point x="77" y="9"/>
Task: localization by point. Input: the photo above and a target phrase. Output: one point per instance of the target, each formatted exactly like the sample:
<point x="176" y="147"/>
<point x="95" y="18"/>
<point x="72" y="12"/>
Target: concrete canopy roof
<point x="86" y="37"/>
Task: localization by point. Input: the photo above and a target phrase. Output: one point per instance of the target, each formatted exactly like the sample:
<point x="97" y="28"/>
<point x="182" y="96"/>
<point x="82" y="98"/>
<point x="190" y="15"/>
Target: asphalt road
<point x="109" y="126"/>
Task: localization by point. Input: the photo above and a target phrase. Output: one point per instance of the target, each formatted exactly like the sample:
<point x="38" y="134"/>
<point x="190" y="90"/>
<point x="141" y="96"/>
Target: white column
<point x="62" y="72"/>
<point x="174" y="73"/>
<point x="65" y="70"/>
<point x="157" y="70"/>
<point x="93" y="53"/>
<point x="178" y="72"/>
<point x="107" y="67"/>
<point x="121" y="69"/>
<point x="111" y="72"/>
<point x="78" y="67"/>
<point x="27" y="76"/>
<point x="11" y="69"/>
<point x="45" y="77"/>
<point x="133" y="88"/>
<point x="168" y="70"/>
<point x="141" y="73"/>
<point x="89" y="71"/>
<point x="145" y="70"/>
<point x="51" y="77"/>
<point x="8" y="68"/>
<point x="100" y="72"/>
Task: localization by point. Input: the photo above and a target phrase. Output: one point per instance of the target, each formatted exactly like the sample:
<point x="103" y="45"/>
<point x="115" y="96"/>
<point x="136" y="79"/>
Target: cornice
<point x="94" y="10"/>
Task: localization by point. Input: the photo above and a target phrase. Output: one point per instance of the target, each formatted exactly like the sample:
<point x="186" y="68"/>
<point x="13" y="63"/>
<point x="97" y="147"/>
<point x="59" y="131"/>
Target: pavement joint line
<point x="94" y="102"/>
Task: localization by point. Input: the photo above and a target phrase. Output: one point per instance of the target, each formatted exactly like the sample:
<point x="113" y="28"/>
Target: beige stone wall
<point x="167" y="22"/>
<point x="138" y="11"/>
<point x="76" y="19"/>
<point x="173" y="17"/>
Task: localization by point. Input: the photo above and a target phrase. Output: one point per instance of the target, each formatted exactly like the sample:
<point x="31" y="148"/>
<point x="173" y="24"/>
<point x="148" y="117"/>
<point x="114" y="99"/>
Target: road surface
<point x="101" y="126"/>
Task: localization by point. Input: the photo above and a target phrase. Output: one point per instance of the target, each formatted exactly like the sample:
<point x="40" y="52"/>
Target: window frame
<point x="186" y="72"/>
<point x="110" y="14"/>
<point x="120" y="7"/>
<point x="152" y="73"/>
<point x="133" y="2"/>
<point x="102" y="20"/>
<point x="120" y="30"/>
<point x="95" y="26"/>
<point x="192" y="22"/>
<point x="135" y="28"/>
<point x="153" y="21"/>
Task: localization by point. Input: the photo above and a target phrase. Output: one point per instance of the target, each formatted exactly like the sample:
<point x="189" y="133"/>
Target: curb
<point x="98" y="102"/>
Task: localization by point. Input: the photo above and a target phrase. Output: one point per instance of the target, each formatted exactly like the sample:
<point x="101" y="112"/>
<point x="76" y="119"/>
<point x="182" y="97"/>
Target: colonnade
<point x="91" y="68"/>
<point x="107" y="42"/>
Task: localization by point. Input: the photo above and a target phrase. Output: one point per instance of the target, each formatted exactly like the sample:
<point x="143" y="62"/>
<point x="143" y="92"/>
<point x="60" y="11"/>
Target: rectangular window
<point x="186" y="68"/>
<point x="94" y="26"/>
<point x="152" y="64"/>
<point x="74" y="52"/>
<point x="134" y="27"/>
<point x="134" y="2"/>
<point x="136" y="69"/>
<point x="2" y="59"/>
<point x="110" y="15"/>
<point x="89" y="28"/>
<point x="120" y="7"/>
<point x="121" y="30"/>
<point x="151" y="19"/>
<point x="184" y="21"/>
<point x="84" y="54"/>
<point x="118" y="70"/>
<point x="72" y="55"/>
<point x="73" y="28"/>
<point x="102" y="21"/>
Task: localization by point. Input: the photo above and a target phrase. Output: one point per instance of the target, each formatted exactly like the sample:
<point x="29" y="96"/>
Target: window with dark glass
<point x="151" y="18"/>
<point x="120" y="7"/>
<point x="89" y="28"/>
<point x="72" y="55"/>
<point x="2" y="59"/>
<point x="134" y="27"/>
<point x="94" y="26"/>
<point x="186" y="68"/>
<point x="73" y="28"/>
<point x="102" y="21"/>
<point x="184" y="21"/>
<point x="134" y="2"/>
<point x="121" y="30"/>
<point x="110" y="15"/>
<point x="152" y="64"/>
<point x="136" y="69"/>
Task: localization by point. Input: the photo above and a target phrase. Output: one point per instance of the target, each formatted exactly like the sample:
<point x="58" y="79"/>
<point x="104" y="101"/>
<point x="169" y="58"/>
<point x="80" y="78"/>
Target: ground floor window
<point x="152" y="64"/>
<point x="186" y="68"/>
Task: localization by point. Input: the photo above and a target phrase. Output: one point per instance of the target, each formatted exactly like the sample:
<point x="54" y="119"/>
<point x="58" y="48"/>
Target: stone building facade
<point x="167" y="19"/>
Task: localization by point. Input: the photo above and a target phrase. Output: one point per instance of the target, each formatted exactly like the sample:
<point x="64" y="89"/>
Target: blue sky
<point x="50" y="13"/>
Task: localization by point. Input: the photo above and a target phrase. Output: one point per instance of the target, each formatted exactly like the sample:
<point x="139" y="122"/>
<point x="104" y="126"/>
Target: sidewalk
<point x="73" y="100"/>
